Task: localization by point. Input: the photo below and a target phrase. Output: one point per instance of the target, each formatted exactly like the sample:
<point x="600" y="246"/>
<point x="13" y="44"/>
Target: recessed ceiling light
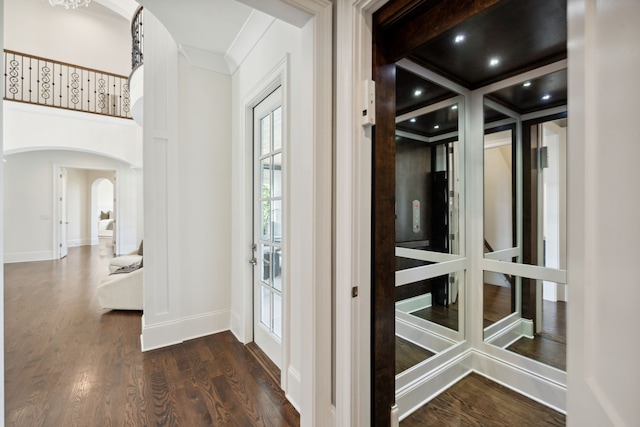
<point x="526" y="84"/>
<point x="459" y="38"/>
<point x="493" y="62"/>
<point x="413" y="120"/>
<point x="417" y="92"/>
<point x="436" y="127"/>
<point x="546" y="97"/>
<point x="454" y="107"/>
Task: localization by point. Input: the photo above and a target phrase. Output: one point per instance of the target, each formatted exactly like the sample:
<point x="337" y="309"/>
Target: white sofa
<point x="121" y="291"/>
<point x="124" y="260"/>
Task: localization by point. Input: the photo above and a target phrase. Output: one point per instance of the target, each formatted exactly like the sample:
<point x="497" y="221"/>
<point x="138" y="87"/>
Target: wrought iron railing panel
<point x="137" y="37"/>
<point x="42" y="81"/>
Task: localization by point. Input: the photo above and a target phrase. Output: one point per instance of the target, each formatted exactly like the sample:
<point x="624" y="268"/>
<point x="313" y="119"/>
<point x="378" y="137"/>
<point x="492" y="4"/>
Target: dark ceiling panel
<point x="432" y="124"/>
<point x="521" y="34"/>
<point x="544" y="92"/>
<point x="407" y="99"/>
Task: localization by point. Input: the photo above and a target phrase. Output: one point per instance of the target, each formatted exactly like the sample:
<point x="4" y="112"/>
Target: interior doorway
<point x="268" y="250"/>
<point x="86" y="208"/>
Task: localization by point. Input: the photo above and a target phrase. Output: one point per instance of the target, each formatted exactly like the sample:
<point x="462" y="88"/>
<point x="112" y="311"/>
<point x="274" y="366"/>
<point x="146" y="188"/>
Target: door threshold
<point x="263" y="360"/>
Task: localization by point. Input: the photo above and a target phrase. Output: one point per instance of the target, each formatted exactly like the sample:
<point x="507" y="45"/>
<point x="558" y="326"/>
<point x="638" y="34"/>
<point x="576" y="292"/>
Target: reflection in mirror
<point x="547" y="344"/>
<point x="525" y="217"/>
<point x="427" y="203"/>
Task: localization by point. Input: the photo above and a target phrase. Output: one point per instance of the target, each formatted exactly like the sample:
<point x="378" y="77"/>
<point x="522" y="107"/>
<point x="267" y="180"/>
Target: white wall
<point x="205" y="193"/>
<point x="248" y="81"/>
<point x="29" y="207"/>
<point x="29" y="127"/>
<point x="93" y="37"/>
<point x="104" y="196"/>
<point x="498" y="193"/>
<point x="603" y="204"/>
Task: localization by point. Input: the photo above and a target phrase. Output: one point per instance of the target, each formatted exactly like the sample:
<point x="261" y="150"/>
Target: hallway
<point x="70" y="363"/>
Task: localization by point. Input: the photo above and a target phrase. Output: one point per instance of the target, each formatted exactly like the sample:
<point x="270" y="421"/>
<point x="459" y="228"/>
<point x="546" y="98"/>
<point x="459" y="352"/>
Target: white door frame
<point x="277" y="77"/>
<point x="268" y="342"/>
<point x="56" y="195"/>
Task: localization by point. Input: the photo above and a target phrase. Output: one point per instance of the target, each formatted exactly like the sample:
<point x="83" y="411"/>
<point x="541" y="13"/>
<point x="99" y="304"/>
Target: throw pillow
<point x="104" y="215"/>
<point x="140" y="248"/>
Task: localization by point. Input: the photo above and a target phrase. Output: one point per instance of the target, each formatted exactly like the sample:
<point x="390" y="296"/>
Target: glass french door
<point x="268" y="226"/>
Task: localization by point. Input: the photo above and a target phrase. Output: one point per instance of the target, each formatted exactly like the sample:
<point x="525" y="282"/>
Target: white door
<point x="62" y="209"/>
<point x="268" y="225"/>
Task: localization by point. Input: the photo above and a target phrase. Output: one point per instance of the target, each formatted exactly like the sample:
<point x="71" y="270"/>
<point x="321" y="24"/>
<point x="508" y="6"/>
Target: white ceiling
<point x="214" y="34"/>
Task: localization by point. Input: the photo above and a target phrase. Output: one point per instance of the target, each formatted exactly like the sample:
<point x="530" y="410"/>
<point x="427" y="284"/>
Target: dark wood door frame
<point x="398" y="28"/>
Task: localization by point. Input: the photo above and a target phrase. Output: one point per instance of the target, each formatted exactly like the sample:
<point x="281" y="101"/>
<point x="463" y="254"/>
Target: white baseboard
<point x="294" y="387"/>
<point x="236" y="328"/>
<point x="415" y="395"/>
<point x="74" y="243"/>
<point x="160" y="335"/>
<point x="11" y="257"/>
<point x="412" y="304"/>
<point x="543" y="390"/>
<point x="177" y="331"/>
<point x="205" y="324"/>
<point x="546" y="391"/>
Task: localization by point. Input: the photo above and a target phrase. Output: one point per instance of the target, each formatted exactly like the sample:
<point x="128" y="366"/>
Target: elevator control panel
<point x="416" y="216"/>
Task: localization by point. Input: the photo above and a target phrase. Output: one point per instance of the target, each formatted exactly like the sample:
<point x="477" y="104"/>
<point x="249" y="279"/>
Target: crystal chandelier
<point x="70" y="4"/>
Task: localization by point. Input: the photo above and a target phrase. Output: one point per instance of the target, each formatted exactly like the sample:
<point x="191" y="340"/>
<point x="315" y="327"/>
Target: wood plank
<point x="69" y="362"/>
<point x="478" y="401"/>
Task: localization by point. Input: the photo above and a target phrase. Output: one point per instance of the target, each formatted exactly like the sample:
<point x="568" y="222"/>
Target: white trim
<point x="415" y="274"/>
<point x="429" y="108"/>
<point x="504" y="254"/>
<point x="415" y="394"/>
<point x="525" y="270"/>
<point x="546" y="391"/>
<point x="294" y="385"/>
<point x="161" y="334"/>
<point x="427" y="338"/>
<point x="204" y="59"/>
<point x="205" y="324"/>
<point x="521" y="78"/>
<point x="242" y="324"/>
<point x="251" y="33"/>
<point x="425" y="255"/>
<point x="11" y="257"/>
<point x="433" y="382"/>
<point x="412" y="304"/>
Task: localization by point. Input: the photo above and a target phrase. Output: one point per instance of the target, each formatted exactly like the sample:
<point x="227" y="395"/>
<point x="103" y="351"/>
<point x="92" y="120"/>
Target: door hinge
<point x="354" y="292"/>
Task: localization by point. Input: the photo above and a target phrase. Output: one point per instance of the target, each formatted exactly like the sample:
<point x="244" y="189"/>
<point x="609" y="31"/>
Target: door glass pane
<point x="265" y="134"/>
<point x="265" y="312"/>
<point x="277" y="268"/>
<point x="276" y="220"/>
<point x="277" y="315"/>
<point x="265" y="171"/>
<point x="266" y="220"/>
<point x="277" y="129"/>
<point x="277" y="175"/>
<point x="265" y="264"/>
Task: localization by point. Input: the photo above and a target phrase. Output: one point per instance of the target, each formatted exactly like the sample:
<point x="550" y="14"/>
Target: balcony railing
<point x="42" y="81"/>
<point x="137" y="37"/>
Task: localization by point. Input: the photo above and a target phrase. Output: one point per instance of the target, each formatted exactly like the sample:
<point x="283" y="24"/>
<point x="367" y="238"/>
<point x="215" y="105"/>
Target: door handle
<point x="253" y="261"/>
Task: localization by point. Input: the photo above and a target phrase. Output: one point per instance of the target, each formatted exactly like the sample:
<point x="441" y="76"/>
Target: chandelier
<point x="70" y="4"/>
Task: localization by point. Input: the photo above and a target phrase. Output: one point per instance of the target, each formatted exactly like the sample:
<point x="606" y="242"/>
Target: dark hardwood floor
<point x="477" y="401"/>
<point x="70" y="363"/>
<point x="446" y="316"/>
<point x="409" y="354"/>
<point x="550" y="345"/>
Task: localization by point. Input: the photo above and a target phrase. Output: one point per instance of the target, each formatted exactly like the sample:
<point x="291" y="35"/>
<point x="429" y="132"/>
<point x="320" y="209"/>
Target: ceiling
<point x="520" y="35"/>
<point x="208" y="25"/>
